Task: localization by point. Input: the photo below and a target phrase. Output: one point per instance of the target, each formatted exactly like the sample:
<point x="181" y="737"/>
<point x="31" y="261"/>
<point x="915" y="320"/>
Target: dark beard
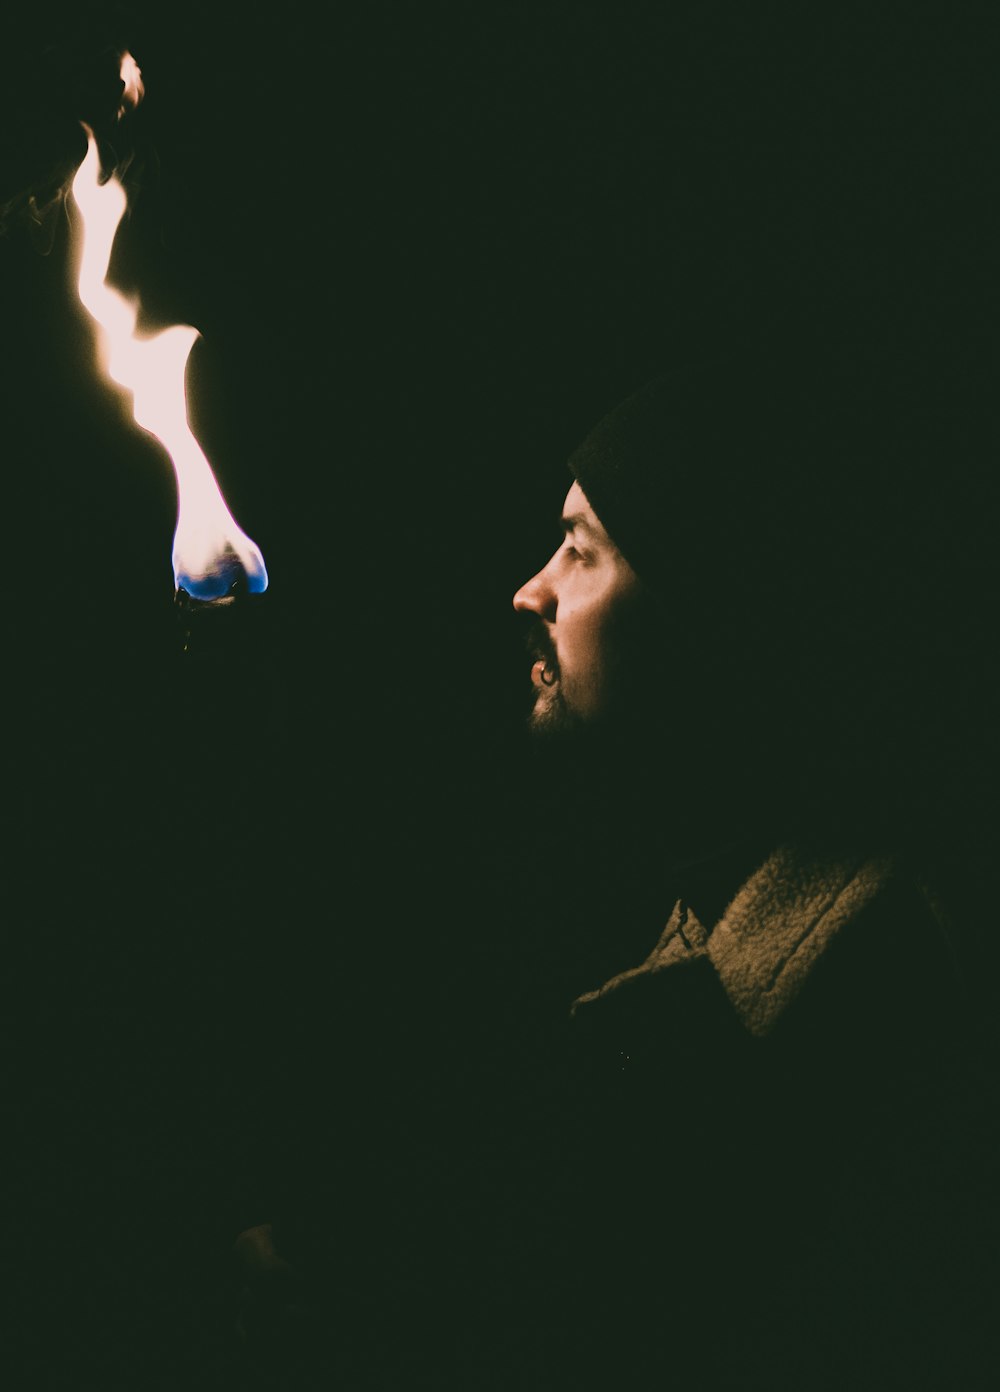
<point x="553" y="717"/>
<point x="669" y="758"/>
<point x="550" y="717"/>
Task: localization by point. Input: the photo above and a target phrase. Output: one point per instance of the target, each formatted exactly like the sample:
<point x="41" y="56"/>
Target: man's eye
<point x="582" y="557"/>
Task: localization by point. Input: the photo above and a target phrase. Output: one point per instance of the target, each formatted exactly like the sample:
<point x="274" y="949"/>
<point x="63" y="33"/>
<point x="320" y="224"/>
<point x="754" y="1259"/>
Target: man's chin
<point x="552" y="718"/>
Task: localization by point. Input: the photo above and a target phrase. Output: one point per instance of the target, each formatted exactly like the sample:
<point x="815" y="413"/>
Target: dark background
<point x="254" y="889"/>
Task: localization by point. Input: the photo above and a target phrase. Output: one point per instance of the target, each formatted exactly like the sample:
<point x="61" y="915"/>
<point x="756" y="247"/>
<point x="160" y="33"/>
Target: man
<point x="745" y="1135"/>
<point x="769" y="1142"/>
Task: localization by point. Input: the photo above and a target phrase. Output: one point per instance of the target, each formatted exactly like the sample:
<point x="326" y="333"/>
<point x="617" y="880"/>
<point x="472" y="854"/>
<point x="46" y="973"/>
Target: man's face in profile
<point x="578" y="600"/>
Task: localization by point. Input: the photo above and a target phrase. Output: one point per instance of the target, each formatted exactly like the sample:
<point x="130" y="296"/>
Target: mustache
<point x="539" y="645"/>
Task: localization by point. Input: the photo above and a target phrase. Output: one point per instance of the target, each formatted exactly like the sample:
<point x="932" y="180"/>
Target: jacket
<point x="763" y="1157"/>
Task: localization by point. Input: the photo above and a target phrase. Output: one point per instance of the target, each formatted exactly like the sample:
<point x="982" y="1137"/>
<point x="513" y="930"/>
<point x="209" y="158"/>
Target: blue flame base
<point x="229" y="578"/>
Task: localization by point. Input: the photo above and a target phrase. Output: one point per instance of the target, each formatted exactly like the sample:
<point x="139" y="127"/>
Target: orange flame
<point x="210" y="550"/>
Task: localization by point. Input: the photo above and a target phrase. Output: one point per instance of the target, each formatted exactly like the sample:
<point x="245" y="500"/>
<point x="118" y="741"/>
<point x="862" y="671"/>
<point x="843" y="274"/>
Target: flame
<point x="131" y="75"/>
<point x="210" y="551"/>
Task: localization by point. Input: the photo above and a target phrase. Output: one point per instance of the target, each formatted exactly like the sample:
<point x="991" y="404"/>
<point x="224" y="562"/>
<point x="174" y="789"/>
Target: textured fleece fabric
<point x="772" y="934"/>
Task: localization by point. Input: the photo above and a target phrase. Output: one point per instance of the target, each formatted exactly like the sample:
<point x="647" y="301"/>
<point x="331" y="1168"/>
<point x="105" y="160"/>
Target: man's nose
<point x="537" y="596"/>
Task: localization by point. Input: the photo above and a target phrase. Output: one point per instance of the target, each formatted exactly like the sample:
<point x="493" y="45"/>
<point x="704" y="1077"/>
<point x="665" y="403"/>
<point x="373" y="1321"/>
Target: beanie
<point x="720" y="463"/>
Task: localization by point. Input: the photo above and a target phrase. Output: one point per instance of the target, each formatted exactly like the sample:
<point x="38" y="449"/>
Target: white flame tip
<point x="131" y="74"/>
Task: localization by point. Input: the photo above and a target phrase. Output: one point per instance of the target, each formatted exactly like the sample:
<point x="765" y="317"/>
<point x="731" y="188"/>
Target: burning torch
<point x="215" y="563"/>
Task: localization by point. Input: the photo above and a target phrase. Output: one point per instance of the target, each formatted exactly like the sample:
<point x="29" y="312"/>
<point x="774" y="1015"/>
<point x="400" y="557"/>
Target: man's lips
<point x="541" y="650"/>
<point x="542" y="674"/>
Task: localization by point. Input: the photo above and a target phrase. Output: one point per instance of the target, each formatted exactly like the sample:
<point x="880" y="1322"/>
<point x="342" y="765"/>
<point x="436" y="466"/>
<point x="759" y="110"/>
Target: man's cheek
<point x="595" y="650"/>
<point x="584" y="686"/>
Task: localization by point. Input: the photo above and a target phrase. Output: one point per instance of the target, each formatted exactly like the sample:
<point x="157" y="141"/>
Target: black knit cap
<point x="818" y="528"/>
<point x="723" y="460"/>
<point x="749" y="473"/>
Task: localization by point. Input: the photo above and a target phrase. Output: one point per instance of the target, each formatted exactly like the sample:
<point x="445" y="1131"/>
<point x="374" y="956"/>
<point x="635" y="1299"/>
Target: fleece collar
<point x="772" y="934"/>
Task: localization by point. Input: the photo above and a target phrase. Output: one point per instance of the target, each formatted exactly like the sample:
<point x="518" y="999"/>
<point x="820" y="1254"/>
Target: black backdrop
<point x="426" y="247"/>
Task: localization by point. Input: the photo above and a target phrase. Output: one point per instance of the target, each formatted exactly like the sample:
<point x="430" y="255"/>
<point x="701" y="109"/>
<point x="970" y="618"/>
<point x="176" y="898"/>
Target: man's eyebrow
<point x="577" y="521"/>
